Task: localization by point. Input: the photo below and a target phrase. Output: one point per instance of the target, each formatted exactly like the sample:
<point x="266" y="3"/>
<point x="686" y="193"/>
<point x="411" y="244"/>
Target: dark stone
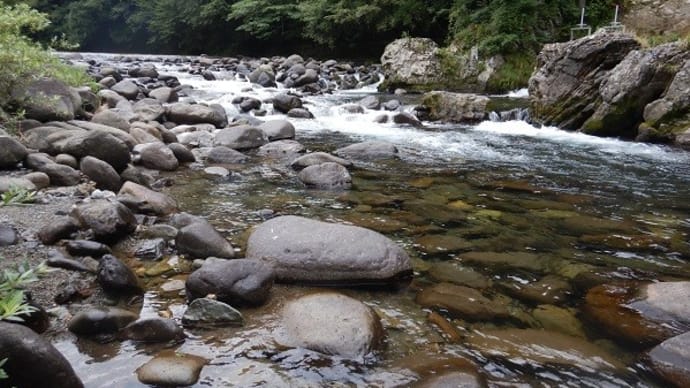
<point x="100" y="320"/>
<point x="284" y="103"/>
<point x="87" y="248"/>
<point x="108" y="220"/>
<point x="102" y="173"/>
<point x="171" y="369"/>
<point x="32" y="360"/>
<point x="146" y="201"/>
<point x="157" y="156"/>
<point x="182" y="153"/>
<point x="60" y="228"/>
<point x="200" y="239"/>
<point x="326" y="176"/>
<point x="240" y="281"/>
<point x="152" y="330"/>
<point x="225" y="155"/>
<point x="11" y="152"/>
<point x="58" y="260"/>
<point x="115" y="276"/>
<point x="47" y="99"/>
<point x="210" y="313"/>
<point x="150" y="249"/>
<point x="300" y="113"/>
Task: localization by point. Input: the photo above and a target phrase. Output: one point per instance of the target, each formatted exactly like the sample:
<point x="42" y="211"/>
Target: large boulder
<point x="199" y="239"/>
<point x="326" y="176"/>
<point x="47" y="99"/>
<point x="157" y="156"/>
<point x="238" y="282"/>
<point x="368" y="151"/>
<point x="32" y="360"/>
<point x="308" y="251"/>
<point x="11" y="152"/>
<point x="148" y="109"/>
<point x="127" y="89"/>
<point x="564" y="90"/>
<point x="182" y="113"/>
<point x="241" y="137"/>
<point x="454" y="107"/>
<point x="101" y="145"/>
<point x="284" y="103"/>
<point x="108" y="220"/>
<point x="412" y="64"/>
<point x="102" y="173"/>
<point x="278" y="130"/>
<point x="332" y="324"/>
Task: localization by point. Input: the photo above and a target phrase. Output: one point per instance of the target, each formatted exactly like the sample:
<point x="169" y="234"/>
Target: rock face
<point x="240" y="281"/>
<point x="606" y="85"/>
<point x="454" y="107"/>
<point x="308" y="251"/>
<point x="412" y="64"/>
<point x="671" y="360"/>
<point x="330" y="323"/>
<point x="32" y="360"/>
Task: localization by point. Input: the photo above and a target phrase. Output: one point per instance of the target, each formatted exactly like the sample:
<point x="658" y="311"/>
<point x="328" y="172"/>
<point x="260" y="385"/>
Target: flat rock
<point x="462" y="302"/>
<point x="240" y="281"/>
<point x="368" y="151"/>
<point x="309" y="251"/>
<point x="209" y="313"/>
<point x="332" y="324"/>
<point x="171" y="369"/>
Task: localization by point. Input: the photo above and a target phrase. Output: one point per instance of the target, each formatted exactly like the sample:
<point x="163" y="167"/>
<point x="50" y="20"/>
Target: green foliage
<point x="3" y="375"/>
<point x="265" y="19"/>
<point x="514" y="73"/>
<point x="17" y="196"/>
<point x="12" y="282"/>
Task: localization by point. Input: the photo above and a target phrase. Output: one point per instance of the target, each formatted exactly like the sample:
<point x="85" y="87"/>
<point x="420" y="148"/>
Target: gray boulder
<point x="332" y="324"/>
<point x="310" y="76"/>
<point x="368" y="151"/>
<point x="284" y="103"/>
<point x="454" y="107"/>
<point x="239" y="282"/>
<point x="152" y="330"/>
<point x="308" y="251"/>
<point x="47" y="99"/>
<point x="300" y="113"/>
<point x="316" y="158"/>
<point x="112" y="118"/>
<point x="164" y="94"/>
<point x="157" y="156"/>
<point x="411" y="63"/>
<point x="127" y="89"/>
<point x="32" y="360"/>
<point x="326" y="176"/>
<point x="11" y="152"/>
<point x="182" y="153"/>
<point x="225" y="155"/>
<point x="278" y="130"/>
<point x="671" y="360"/>
<point x="171" y="369"/>
<point x="199" y="239"/>
<point x="371" y="102"/>
<point x="8" y="235"/>
<point x="101" y="145"/>
<point x="210" y="313"/>
<point x="241" y="137"/>
<point x="148" y="109"/>
<point x="115" y="276"/>
<point x="146" y="201"/>
<point x="110" y="98"/>
<point x="182" y="113"/>
<point x="264" y="76"/>
<point x="281" y="149"/>
<point x="60" y="174"/>
<point x="102" y="173"/>
<point x="147" y="71"/>
<point x="108" y="220"/>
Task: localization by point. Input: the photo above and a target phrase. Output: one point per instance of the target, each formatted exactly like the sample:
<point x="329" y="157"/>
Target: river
<point x="576" y="205"/>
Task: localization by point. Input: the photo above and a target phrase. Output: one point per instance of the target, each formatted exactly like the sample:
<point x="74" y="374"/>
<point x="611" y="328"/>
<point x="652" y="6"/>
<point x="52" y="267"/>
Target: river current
<point x="567" y="204"/>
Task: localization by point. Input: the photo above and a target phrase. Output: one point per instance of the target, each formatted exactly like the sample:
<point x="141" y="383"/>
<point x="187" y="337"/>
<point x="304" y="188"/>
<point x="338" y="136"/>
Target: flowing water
<point x="565" y="206"/>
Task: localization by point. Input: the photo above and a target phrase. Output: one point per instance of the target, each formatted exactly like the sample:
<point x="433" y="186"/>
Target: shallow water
<point x="566" y="204"/>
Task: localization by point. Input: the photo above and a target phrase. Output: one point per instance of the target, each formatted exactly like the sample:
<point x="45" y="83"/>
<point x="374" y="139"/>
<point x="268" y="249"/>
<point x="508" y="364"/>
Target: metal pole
<point x="582" y="18"/>
<point x="615" y="18"/>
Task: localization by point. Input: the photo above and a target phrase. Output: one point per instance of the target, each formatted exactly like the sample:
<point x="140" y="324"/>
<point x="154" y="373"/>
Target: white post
<point x="615" y="18"/>
<point x="582" y="17"/>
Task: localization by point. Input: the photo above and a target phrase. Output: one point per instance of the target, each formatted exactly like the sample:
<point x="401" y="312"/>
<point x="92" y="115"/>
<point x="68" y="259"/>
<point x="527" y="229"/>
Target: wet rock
<point x="352" y="108"/>
<point x="225" y="155"/>
<point x="115" y="276"/>
<point x="100" y="320"/>
<point x="428" y="365"/>
<point x="182" y="113"/>
<point x="157" y="156"/>
<point x="240" y="138"/>
<point x="284" y="103"/>
<point x="210" y="313"/>
<point x="522" y="260"/>
<point x="126" y="89"/>
<point x="281" y="149"/>
<point x="148" y="109"/>
<point x="61" y="227"/>
<point x="371" y="102"/>
<point x="220" y="172"/>
<point x="550" y="289"/>
<point x="164" y="94"/>
<point x="671" y="360"/>
<point x="11" y="152"/>
<point x="300" y="113"/>
<point x="451" y="379"/>
<point x="102" y="173"/>
<point x="368" y="151"/>
<point x="200" y="239"/>
<point x="392" y="105"/>
<point x="316" y="158"/>
<point x="454" y="107"/>
<point x="146" y="201"/>
<point x="462" y="302"/>
<point x="32" y="360"/>
<point x="608" y="307"/>
<point x="308" y="251"/>
<point x="164" y="231"/>
<point x="240" y="281"/>
<point x="150" y="249"/>
<point x="407" y="118"/>
<point x="171" y="369"/>
<point x="152" y="330"/>
<point x="434" y="244"/>
<point x="542" y="348"/>
<point x="108" y="220"/>
<point x="326" y="176"/>
<point x="182" y="153"/>
<point x="330" y="323"/>
<point x="87" y="248"/>
<point x="559" y="319"/>
<point x="278" y="130"/>
<point x="8" y="235"/>
<point x="456" y="274"/>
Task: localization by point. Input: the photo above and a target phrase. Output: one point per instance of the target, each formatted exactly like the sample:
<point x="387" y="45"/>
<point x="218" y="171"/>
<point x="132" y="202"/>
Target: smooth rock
<point x="87" y="248"/>
<point x="210" y="313"/>
<point x="447" y="272"/>
<point x="171" y="369"/>
<point x="182" y="113"/>
<point x="108" y="220"/>
<point x="300" y="113"/>
<point x="144" y="200"/>
<point x="164" y="94"/>
<point x="112" y="118"/>
<point x="148" y="109"/>
<point x="454" y="107"/>
<point x="225" y="155"/>
<point x="326" y="176"/>
<point x="8" y="235"/>
<point x="127" y="89"/>
<point x="368" y="151"/>
<point x="278" y="130"/>
<point x="100" y="320"/>
<point x="46" y="99"/>
<point x="200" y="239"/>
<point x="102" y="173"/>
<point x="240" y="138"/>
<point x="235" y="282"/>
<point x="32" y="360"/>
<point x="115" y="276"/>
<point x="11" y="152"/>
<point x="182" y="153"/>
<point x="308" y="251"/>
<point x="59" y="228"/>
<point x="157" y="156"/>
<point x="287" y="149"/>
<point x="284" y="103"/>
<point x="152" y="330"/>
<point x="462" y="302"/>
<point x="316" y="158"/>
<point x="332" y="324"/>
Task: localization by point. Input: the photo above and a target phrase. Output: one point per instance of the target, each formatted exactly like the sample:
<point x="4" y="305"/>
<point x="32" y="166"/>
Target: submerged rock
<point x="330" y="323"/>
<point x="100" y="320"/>
<point x="209" y="313"/>
<point x="462" y="302"/>
<point x="152" y="330"/>
<point x="171" y="369"/>
<point x="308" y="251"/>
<point x="316" y="158"/>
<point x="240" y="281"/>
<point x="32" y="361"/>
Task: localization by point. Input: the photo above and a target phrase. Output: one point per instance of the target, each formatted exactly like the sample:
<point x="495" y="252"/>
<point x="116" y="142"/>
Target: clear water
<point x="501" y="187"/>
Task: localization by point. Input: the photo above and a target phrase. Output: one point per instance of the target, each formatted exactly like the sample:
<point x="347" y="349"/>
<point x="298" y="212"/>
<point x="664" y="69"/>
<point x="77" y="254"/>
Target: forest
<point x="354" y="29"/>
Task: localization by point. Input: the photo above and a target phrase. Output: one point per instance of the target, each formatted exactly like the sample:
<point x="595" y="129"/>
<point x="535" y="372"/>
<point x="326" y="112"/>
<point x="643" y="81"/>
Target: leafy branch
<point x="12" y="283"/>
<point x="17" y="196"/>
